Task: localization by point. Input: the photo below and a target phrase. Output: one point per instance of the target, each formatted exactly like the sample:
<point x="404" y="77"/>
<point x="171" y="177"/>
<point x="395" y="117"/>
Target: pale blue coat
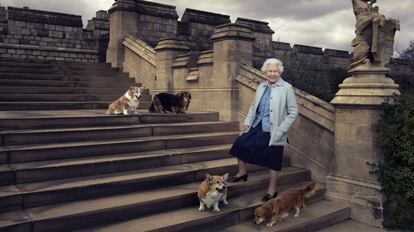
<point x="283" y="110"/>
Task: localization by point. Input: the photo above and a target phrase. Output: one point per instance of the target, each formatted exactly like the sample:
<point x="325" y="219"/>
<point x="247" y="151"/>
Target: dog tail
<point x="309" y="191"/>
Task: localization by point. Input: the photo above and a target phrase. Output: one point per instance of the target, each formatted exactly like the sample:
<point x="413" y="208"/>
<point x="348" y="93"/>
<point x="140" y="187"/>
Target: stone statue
<point x="367" y="45"/>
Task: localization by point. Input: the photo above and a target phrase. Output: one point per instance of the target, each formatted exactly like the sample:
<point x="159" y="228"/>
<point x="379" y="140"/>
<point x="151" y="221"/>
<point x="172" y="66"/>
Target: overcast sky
<point x="323" y="23"/>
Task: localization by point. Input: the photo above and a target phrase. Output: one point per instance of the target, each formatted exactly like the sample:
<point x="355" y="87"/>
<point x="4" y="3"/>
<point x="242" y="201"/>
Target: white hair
<point x="274" y="61"/>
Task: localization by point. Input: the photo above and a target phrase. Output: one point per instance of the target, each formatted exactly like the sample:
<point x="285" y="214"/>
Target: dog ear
<point x="209" y="178"/>
<point x="189" y="96"/>
<point x="180" y="95"/>
<point x="225" y="176"/>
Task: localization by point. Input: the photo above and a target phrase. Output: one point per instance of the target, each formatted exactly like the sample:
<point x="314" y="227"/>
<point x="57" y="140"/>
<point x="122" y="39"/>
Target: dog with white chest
<point x="211" y="191"/>
<point x="127" y="103"/>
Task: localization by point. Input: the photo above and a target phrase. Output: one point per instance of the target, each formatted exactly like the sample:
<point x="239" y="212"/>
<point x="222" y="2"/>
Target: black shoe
<point x="236" y="178"/>
<point x="267" y="196"/>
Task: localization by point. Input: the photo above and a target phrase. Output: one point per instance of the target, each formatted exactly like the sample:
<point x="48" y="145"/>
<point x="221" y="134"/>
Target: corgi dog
<point x="211" y="191"/>
<point x="278" y="208"/>
<point x="127" y="103"/>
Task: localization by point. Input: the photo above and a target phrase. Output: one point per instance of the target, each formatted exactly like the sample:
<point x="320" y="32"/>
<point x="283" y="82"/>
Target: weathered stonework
<point x="140" y="61"/>
<point x="3" y="14"/>
<point x="199" y="27"/>
<point x="34" y="34"/>
<point x="358" y="108"/>
<point x="167" y="50"/>
<point x="262" y="46"/>
<point x="99" y="24"/>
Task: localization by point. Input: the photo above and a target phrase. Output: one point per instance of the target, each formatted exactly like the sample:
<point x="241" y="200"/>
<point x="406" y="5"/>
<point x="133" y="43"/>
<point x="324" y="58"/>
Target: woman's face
<point x="272" y="73"/>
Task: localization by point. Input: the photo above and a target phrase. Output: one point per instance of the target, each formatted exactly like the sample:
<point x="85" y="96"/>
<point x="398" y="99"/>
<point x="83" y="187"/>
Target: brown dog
<point x="127" y="103"/>
<point x="166" y="102"/>
<point x="211" y="191"/>
<point x="278" y="208"/>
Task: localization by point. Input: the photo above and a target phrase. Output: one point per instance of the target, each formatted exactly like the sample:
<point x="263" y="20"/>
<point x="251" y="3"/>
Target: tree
<point x="408" y="53"/>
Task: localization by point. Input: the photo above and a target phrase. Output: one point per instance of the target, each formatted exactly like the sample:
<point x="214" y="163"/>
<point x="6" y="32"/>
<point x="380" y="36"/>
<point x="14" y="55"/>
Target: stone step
<point x="66" y="90"/>
<point x="25" y="69"/>
<point x="80" y="188"/>
<point x="28" y="153"/>
<point x="7" y="174"/>
<point x="63" y="97"/>
<point x="92" y="118"/>
<point x="45" y="73"/>
<point x="351" y="225"/>
<point x="28" y="106"/>
<point x="10" y="199"/>
<point x="77" y="188"/>
<point x="93" y="212"/>
<point x="65" y="76"/>
<point x="121" y="83"/>
<point x="37" y="136"/>
<point x="70" y="168"/>
<point x="58" y="66"/>
<point x="190" y="219"/>
<point x="16" y="221"/>
<point x="53" y="64"/>
<point x="313" y="217"/>
<point x="93" y="72"/>
<point x="317" y="216"/>
<point x="22" y="63"/>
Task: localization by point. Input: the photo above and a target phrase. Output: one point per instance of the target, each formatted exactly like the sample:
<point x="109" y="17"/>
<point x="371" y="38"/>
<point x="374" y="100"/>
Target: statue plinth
<point x="367" y="86"/>
<point x="357" y="111"/>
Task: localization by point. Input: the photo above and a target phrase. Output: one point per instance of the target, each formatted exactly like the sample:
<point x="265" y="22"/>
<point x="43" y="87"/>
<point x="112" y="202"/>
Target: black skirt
<point x="253" y="147"/>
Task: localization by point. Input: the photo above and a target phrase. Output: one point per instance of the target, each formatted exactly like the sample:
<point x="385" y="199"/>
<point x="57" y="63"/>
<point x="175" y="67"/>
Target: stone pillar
<point x="232" y="47"/>
<point x="123" y="20"/>
<point x="358" y="108"/>
<point x="166" y="51"/>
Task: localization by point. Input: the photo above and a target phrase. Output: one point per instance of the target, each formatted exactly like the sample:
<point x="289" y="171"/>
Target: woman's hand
<point x="245" y="129"/>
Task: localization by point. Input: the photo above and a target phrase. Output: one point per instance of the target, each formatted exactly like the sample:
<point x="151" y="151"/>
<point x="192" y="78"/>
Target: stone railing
<point x="140" y="60"/>
<point x="311" y="137"/>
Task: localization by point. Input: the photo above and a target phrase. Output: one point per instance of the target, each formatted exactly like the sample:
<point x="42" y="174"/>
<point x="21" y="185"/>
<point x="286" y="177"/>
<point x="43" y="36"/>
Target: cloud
<point x="321" y="31"/>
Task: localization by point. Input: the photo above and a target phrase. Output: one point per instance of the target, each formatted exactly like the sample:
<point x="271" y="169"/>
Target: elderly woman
<point x="265" y="128"/>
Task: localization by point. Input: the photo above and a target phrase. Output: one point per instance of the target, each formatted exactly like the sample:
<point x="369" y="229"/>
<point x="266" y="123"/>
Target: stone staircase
<point x="47" y="85"/>
<point x="77" y="169"/>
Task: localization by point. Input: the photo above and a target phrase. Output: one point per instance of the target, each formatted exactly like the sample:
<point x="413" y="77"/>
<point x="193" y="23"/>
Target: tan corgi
<point x="127" y="103"/>
<point x="278" y="208"/>
<point x="211" y="191"/>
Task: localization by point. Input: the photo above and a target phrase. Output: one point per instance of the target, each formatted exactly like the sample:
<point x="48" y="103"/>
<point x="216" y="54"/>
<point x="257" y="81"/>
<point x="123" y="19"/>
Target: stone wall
<point x="402" y="72"/>
<point x="198" y="26"/>
<point x="35" y="34"/>
<point x="262" y="46"/>
<point x="99" y="25"/>
<point x="193" y="72"/>
<point x="2" y="14"/>
<point x="155" y="21"/>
